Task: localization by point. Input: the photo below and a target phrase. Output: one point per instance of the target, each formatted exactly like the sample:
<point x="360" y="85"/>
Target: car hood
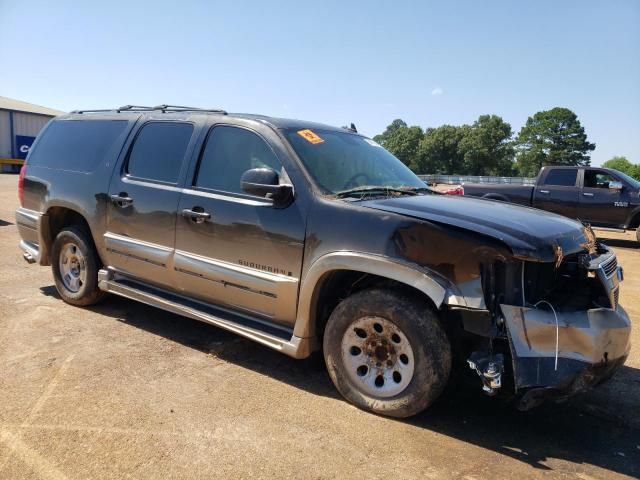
<point x="531" y="234"/>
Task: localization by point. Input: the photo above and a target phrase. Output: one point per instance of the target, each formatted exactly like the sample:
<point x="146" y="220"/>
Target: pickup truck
<point x="601" y="197"/>
<point x="309" y="238"/>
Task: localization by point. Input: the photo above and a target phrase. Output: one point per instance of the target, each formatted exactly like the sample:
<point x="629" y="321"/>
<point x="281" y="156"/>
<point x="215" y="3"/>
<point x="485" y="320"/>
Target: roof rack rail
<point x="126" y="108"/>
<point x="180" y="108"/>
<point x="163" y="108"/>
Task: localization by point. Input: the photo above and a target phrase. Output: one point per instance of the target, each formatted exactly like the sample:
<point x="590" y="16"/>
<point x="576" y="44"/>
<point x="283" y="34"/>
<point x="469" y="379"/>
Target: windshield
<point x="632" y="181"/>
<point x="341" y="161"/>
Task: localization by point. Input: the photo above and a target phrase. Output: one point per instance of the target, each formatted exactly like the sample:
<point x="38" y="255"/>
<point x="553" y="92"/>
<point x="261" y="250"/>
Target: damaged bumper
<point x="558" y="354"/>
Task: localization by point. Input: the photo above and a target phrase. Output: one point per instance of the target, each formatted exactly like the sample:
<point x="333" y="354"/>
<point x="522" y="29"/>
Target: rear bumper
<point x="32" y="243"/>
<point x="591" y="346"/>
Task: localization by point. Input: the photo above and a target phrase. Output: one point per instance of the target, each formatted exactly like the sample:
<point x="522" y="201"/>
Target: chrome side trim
<point x="359" y="262"/>
<point x="275" y="294"/>
<point x="152" y="253"/>
<point x="295" y="347"/>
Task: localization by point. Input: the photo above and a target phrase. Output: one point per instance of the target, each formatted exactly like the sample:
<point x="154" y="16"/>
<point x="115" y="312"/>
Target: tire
<point x="75" y="264"/>
<point x="638" y="234"/>
<point x="404" y="345"/>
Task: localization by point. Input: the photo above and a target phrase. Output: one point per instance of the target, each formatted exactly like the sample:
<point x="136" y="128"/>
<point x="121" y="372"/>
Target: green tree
<point x="402" y="141"/>
<point x="487" y="148"/>
<point x="439" y="150"/>
<point x="552" y="137"/>
<point x="391" y="128"/>
<point x="623" y="165"/>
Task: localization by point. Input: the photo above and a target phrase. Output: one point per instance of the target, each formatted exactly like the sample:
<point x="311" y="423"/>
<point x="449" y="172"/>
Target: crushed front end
<point x="555" y="328"/>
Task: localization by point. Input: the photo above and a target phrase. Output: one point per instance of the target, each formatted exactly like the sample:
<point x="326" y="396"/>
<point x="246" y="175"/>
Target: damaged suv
<point x="305" y="237"/>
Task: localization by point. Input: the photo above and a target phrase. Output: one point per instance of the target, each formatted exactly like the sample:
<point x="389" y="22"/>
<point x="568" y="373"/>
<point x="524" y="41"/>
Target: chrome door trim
<point x="148" y="252"/>
<point x="266" y="286"/>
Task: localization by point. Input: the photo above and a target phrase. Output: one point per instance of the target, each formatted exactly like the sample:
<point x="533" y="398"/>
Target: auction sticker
<point x="310" y="136"/>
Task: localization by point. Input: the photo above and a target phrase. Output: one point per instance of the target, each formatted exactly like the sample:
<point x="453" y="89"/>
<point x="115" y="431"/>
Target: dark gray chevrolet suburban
<point x="305" y="237"/>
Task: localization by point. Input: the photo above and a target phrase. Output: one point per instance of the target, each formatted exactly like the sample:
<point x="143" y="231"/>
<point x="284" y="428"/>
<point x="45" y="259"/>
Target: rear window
<point x="159" y="150"/>
<point x="79" y="145"/>
<point x="562" y="177"/>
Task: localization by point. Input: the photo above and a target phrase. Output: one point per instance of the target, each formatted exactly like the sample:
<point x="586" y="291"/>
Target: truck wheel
<point x="386" y="352"/>
<point x="75" y="267"/>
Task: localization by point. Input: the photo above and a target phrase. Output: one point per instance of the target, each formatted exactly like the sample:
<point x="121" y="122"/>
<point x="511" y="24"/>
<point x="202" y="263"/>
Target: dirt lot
<point x="123" y="390"/>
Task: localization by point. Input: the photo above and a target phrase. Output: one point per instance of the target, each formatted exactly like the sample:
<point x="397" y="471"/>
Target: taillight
<point x="21" y="185"/>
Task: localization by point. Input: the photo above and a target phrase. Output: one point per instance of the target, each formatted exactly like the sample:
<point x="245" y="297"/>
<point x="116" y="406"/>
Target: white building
<point x="20" y="123"/>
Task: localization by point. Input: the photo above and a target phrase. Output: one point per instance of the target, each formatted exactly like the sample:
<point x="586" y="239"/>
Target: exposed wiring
<point x="557" y="328"/>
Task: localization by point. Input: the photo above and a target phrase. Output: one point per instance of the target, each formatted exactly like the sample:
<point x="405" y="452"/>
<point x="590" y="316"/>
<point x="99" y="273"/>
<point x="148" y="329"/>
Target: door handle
<point x="121" y="200"/>
<point x="544" y="191"/>
<point x="587" y="194"/>
<point x="195" y="215"/>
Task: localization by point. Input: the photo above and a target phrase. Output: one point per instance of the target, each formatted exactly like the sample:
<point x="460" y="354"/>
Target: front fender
<point x="430" y="283"/>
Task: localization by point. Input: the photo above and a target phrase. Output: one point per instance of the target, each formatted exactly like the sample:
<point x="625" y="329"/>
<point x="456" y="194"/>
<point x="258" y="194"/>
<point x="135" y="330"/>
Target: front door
<point x="600" y="205"/>
<point x="144" y="195"/>
<point x="558" y="192"/>
<point x="232" y="249"/>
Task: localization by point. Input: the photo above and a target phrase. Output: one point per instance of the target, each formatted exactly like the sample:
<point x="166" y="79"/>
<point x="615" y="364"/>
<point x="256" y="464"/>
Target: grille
<point x="610" y="266"/>
<point x="616" y="294"/>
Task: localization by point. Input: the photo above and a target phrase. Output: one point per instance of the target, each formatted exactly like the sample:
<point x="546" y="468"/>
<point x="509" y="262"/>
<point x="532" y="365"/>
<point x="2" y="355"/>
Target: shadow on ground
<point x="571" y="432"/>
<point x="618" y="242"/>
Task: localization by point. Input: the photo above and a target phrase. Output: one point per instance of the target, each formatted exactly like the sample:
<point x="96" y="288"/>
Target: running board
<point x="271" y="337"/>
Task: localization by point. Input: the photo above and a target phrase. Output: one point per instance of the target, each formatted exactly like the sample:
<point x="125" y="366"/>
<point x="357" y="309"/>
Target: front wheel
<point x="75" y="265"/>
<point x="386" y="352"/>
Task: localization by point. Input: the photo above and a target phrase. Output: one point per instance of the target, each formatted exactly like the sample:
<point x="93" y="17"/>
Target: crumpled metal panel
<point x="592" y="336"/>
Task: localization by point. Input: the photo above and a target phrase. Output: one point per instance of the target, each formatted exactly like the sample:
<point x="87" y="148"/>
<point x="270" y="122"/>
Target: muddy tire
<point x="386" y="352"/>
<point x="75" y="266"/>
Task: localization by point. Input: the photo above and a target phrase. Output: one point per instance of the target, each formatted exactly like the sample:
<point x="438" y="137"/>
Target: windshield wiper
<point x="362" y="191"/>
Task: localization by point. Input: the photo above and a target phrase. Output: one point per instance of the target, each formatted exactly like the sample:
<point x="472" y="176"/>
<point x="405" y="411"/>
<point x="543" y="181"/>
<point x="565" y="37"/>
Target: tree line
<point x="489" y="146"/>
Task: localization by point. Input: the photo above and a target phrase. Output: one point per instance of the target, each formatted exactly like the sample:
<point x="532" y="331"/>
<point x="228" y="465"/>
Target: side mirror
<point x="264" y="182"/>
<point x="615" y="185"/>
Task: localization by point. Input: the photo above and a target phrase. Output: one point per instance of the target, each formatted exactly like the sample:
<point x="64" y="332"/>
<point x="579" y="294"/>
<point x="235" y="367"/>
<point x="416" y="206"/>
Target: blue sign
<point x="23" y="144"/>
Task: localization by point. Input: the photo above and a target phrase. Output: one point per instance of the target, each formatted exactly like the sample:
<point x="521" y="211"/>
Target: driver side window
<point x="228" y="153"/>
<point x="597" y="179"/>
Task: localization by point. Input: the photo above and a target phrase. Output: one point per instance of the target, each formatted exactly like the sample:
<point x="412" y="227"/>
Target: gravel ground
<point x="122" y="390"/>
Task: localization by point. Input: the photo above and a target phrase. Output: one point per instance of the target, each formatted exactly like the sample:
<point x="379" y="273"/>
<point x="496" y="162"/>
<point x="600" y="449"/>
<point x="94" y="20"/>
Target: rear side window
<point x="79" y="145"/>
<point x="159" y="150"/>
<point x="229" y="152"/>
<point x="562" y="177"/>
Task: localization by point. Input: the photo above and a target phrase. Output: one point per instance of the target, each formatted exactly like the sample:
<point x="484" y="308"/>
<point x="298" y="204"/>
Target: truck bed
<point x="521" y="194"/>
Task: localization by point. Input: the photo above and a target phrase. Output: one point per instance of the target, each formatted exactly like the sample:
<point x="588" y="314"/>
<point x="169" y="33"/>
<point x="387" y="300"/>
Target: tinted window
<point x="79" y="145"/>
<point x="597" y="179"/>
<point x="229" y="152"/>
<point x="158" y="151"/>
<point x="561" y="176"/>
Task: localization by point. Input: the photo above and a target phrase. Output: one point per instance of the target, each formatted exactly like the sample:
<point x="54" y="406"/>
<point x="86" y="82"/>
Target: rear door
<point x="143" y="200"/>
<point x="557" y="192"/>
<point x="242" y="251"/>
<point x="599" y="204"/>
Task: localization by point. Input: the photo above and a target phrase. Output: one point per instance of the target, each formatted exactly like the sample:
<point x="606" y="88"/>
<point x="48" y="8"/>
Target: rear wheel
<point x="75" y="265"/>
<point x="386" y="352"/>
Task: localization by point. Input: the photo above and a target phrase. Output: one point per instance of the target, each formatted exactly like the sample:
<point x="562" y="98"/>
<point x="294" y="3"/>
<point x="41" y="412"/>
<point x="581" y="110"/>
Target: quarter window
<point x="159" y="150"/>
<point x="562" y="177"/>
<point x="228" y="153"/>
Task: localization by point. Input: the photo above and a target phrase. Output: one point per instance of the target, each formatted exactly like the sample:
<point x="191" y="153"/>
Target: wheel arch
<point x="55" y="219"/>
<point x="340" y="272"/>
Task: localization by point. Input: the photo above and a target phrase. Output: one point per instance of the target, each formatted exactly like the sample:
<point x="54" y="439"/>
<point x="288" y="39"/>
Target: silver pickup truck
<point x="305" y="237"/>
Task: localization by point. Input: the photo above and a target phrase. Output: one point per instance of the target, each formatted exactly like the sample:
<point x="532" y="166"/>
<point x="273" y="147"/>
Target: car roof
<point x="185" y="114"/>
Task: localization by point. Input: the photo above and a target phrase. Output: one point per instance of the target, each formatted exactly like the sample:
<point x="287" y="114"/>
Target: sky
<point x="427" y="62"/>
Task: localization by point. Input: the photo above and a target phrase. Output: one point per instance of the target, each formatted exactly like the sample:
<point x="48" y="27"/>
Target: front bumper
<point x="558" y="357"/>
